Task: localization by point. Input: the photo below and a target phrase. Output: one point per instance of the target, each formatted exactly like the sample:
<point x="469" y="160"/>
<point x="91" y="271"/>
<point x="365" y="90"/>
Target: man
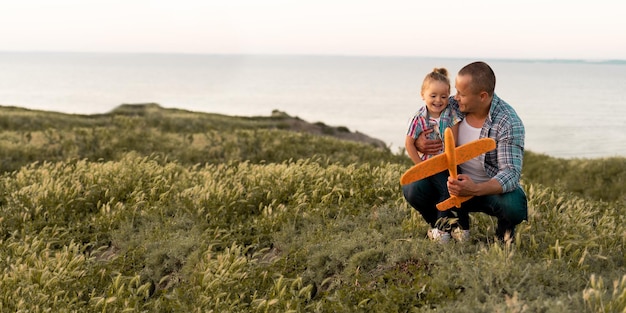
<point x="493" y="179"/>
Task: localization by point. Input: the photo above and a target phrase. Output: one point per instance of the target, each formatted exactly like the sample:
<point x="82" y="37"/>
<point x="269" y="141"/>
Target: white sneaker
<point x="438" y="235"/>
<point x="461" y="235"/>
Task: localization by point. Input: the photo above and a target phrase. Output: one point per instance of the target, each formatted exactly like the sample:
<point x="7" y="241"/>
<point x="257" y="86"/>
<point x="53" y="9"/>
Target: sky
<point x="535" y="29"/>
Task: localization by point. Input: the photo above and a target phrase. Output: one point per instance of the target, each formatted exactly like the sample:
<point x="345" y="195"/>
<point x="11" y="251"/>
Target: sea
<point x="570" y="108"/>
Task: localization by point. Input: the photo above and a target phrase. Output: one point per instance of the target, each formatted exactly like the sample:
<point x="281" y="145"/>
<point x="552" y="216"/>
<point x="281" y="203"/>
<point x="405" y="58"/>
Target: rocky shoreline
<point x="296" y="124"/>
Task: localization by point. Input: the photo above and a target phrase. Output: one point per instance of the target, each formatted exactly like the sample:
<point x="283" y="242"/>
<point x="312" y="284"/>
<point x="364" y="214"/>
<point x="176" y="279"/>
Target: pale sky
<point x="539" y="29"/>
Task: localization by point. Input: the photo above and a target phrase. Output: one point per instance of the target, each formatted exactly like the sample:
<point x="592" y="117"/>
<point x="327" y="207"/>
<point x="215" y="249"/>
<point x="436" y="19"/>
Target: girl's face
<point x="435" y="96"/>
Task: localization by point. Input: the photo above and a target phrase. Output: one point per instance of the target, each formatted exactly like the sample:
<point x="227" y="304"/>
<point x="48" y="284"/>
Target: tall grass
<point x="600" y="179"/>
<point x="306" y="224"/>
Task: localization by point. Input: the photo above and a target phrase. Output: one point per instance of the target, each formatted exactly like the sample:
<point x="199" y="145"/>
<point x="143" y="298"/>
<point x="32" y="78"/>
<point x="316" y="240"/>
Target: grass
<point x="152" y="210"/>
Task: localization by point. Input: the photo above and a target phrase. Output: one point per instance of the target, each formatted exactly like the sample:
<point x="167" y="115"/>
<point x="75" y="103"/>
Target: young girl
<point x="435" y="115"/>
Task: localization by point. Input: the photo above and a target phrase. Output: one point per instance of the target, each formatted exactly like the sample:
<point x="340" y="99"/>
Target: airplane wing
<point x="473" y="149"/>
<point x="424" y="169"/>
<point x="439" y="163"/>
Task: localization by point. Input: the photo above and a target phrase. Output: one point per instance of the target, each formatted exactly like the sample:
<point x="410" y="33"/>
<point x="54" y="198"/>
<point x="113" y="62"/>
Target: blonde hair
<point x="439" y="74"/>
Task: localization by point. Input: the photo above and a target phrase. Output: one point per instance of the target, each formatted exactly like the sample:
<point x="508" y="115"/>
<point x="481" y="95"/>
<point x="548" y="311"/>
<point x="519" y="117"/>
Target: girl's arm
<point x="411" y="150"/>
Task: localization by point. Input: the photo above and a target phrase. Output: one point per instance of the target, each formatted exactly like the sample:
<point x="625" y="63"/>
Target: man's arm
<point x="510" y="156"/>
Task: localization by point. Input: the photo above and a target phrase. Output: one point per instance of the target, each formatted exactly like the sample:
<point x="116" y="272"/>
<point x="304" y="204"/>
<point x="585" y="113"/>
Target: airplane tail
<point x="453" y="201"/>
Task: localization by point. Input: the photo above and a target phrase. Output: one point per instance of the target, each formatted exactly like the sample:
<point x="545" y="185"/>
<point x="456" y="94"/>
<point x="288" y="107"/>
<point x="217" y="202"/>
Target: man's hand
<point x="428" y="146"/>
<point x="465" y="186"/>
<point x="462" y="186"/>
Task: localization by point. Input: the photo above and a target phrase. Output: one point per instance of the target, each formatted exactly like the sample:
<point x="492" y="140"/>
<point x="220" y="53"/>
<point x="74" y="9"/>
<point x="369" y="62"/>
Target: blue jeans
<point x="509" y="208"/>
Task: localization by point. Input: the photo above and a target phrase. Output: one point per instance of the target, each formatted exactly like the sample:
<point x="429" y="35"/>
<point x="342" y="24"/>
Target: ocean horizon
<point x="571" y="108"/>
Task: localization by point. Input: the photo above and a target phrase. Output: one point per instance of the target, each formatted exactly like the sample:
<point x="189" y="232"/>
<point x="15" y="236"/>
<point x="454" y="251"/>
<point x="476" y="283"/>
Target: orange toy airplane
<point x="449" y="159"/>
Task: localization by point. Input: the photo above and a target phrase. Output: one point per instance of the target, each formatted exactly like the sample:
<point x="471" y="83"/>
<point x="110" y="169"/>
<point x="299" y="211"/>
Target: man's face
<point x="465" y="96"/>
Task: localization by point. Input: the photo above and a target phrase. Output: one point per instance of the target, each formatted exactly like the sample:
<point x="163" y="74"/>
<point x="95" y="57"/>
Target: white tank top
<point x="475" y="167"/>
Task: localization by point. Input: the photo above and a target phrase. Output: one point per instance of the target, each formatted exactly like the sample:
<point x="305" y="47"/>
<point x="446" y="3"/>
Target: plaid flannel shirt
<point x="506" y="128"/>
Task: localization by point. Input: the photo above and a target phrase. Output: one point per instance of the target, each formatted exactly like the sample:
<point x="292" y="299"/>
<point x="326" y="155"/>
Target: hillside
<point x="146" y="209"/>
<point x="188" y="137"/>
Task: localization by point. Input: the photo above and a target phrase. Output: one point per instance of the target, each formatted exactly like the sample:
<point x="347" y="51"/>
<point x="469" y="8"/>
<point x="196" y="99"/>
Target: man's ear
<point x="484" y="96"/>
